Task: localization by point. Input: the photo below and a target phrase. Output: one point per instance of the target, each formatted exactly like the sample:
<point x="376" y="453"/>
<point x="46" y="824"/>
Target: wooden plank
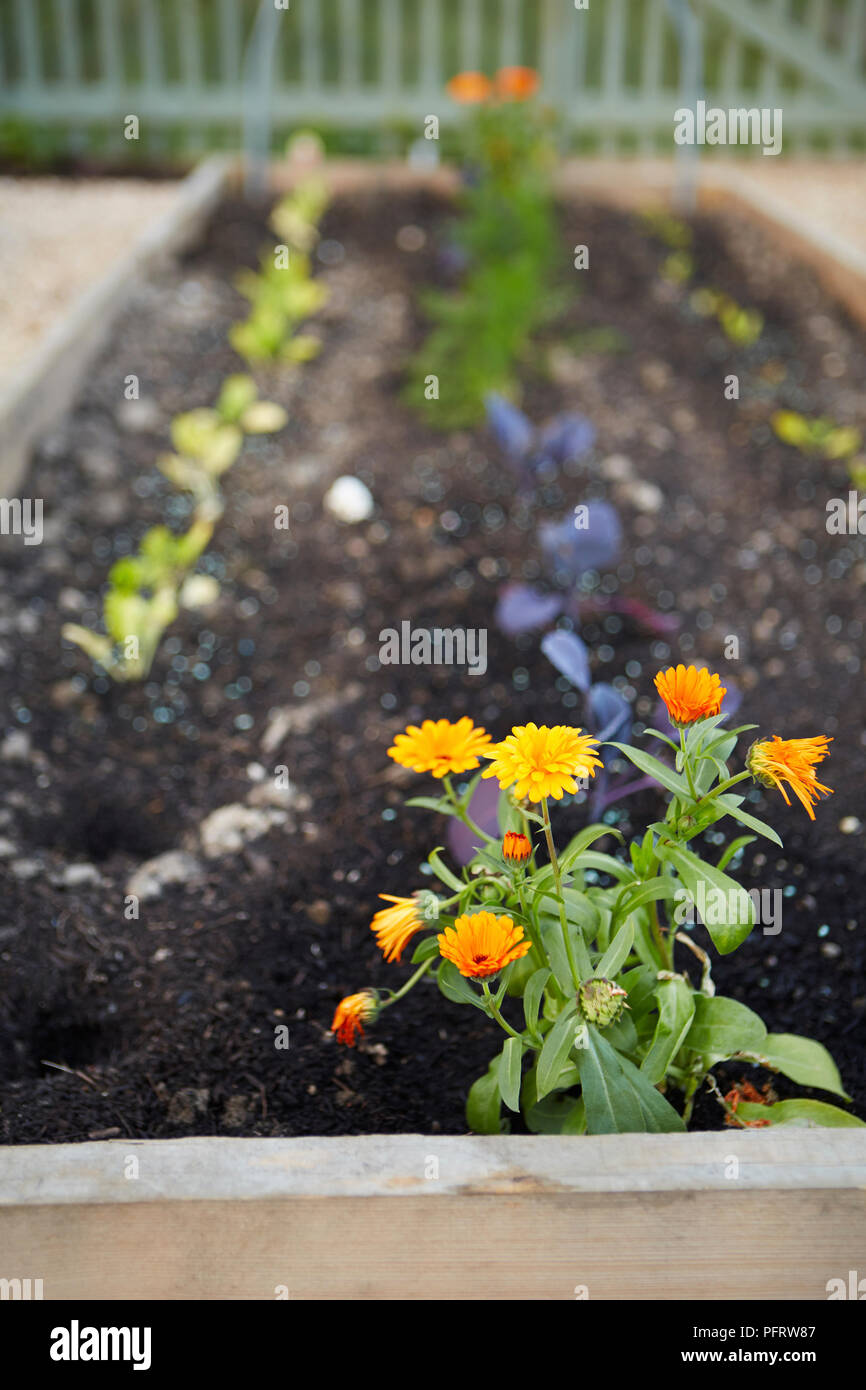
<point x="390" y="35"/>
<point x="624" y="1246"/>
<point x="430" y="44"/>
<point x="350" y="44"/>
<point x="230" y="42"/>
<point x="469" y="33"/>
<point x="68" y="23"/>
<point x="398" y="1166"/>
<point x="151" y="47"/>
<point x="311" y="47"/>
<point x="509" y="33"/>
<point x="28" y="43"/>
<point x="190" y="46"/>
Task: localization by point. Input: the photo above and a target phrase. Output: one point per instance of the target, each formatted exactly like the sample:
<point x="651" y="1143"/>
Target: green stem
<point x="463" y="815"/>
<point x="687" y="765"/>
<point x="492" y="1005"/>
<point x="410" y="983"/>
<point x="724" y="786"/>
<point x="557" y="878"/>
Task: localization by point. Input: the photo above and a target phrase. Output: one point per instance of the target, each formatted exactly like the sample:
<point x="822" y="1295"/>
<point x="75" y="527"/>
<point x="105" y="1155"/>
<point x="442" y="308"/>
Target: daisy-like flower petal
<point x="352" y="1013"/>
<point x="469" y="88"/>
<point x="690" y="694"/>
<point x="441" y="747"/>
<point x="541" y="761"/>
<point x="395" y="926"/>
<point x="482" y="944"/>
<point x="516" y="84"/>
<point x="774" y="761"/>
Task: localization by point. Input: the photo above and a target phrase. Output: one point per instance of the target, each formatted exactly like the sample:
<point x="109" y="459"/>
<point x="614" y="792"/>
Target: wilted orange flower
<point x="395" y="926"/>
<point x="516" y="84"/>
<point x="352" y="1013"/>
<point x="469" y="88"/>
<point x="775" y="761"/>
<point x="744" y="1090"/>
<point x="440" y="747"/>
<point x="515" y="846"/>
<point x="690" y="694"/>
<point x="482" y="944"/>
<point x="541" y="761"/>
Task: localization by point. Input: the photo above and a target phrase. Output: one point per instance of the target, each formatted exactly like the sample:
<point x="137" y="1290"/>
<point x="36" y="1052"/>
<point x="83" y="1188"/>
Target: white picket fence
<point x="612" y="68"/>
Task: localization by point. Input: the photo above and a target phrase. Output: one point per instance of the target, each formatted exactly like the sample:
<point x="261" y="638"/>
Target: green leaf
<point x="611" y="1104"/>
<point x="591" y="859"/>
<point x="583" y="840"/>
<point x="804" y="1060"/>
<point x="532" y="997"/>
<point x="554" y="1053"/>
<point x="652" y="767"/>
<point x="723" y="1027"/>
<point x="618" y="1098"/>
<point x="676" y="1005"/>
<point x="483" y="1102"/>
<point x="432" y="803"/>
<point x="456" y="987"/>
<point x="733" y="848"/>
<point x="443" y="873"/>
<point x="509" y="1072"/>
<point x="616" y="954"/>
<point x="630" y="900"/>
<point x="730" y="804"/>
<point x="426" y="948"/>
<point x="806" y="1113"/>
<point x="739" y="910"/>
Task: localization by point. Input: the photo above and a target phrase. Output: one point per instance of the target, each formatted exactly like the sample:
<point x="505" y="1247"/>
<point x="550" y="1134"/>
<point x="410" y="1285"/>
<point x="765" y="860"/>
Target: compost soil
<point x="166" y="1024"/>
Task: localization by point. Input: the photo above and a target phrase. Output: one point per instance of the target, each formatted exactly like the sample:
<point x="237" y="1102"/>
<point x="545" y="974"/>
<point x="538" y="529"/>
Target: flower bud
<point x="601" y="1001"/>
<point x="516" y="847"/>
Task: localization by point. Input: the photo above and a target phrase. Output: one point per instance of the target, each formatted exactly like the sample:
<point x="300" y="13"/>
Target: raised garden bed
<point x="164" y="1025"/>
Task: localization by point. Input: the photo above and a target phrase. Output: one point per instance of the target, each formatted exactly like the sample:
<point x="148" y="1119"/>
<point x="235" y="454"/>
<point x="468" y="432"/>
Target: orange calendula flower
<point x="690" y="694"/>
<point x="441" y="747"/>
<point x="470" y="88"/>
<point x="774" y="761"/>
<point x="395" y="926"/>
<point x="482" y="944"/>
<point x="352" y="1013"/>
<point x="540" y="762"/>
<point x="515" y="847"/>
<point x="516" y="84"/>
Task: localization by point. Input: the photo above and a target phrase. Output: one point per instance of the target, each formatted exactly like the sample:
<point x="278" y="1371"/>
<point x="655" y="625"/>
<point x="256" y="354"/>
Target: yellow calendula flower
<point x="540" y="762"/>
<point x="774" y="761"/>
<point x="690" y="694"/>
<point x="352" y="1013"/>
<point x="395" y="926"/>
<point x="482" y="944"/>
<point x="441" y="747"/>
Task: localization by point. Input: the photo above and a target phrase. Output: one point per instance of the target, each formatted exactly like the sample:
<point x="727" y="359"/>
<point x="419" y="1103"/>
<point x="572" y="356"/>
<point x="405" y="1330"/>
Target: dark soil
<point x="165" y="1025"/>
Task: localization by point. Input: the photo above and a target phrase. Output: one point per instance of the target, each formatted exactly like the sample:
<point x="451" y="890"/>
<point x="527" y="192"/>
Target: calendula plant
<point x="208" y="441"/>
<point x="482" y="330"/>
<point x="610" y="1027"/>
<point x="283" y="293"/>
<point x="144" y="595"/>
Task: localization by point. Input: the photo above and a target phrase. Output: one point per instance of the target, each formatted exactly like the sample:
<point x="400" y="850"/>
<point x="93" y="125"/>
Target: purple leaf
<point x="566" y="437"/>
<point x="511" y="429"/>
<point x="569" y="655"/>
<point x="522" y="609"/>
<point x="592" y="544"/>
<point x="483" y="808"/>
<point x="610" y="713"/>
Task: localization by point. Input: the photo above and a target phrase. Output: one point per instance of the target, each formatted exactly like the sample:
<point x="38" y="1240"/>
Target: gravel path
<point x="58" y="236"/>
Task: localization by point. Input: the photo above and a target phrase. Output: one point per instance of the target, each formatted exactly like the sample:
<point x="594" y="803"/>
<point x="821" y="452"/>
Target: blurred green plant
<point x="283" y="293"/>
<point x="208" y="441"/>
<point x="145" y="593"/>
<point x="741" y="326"/>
